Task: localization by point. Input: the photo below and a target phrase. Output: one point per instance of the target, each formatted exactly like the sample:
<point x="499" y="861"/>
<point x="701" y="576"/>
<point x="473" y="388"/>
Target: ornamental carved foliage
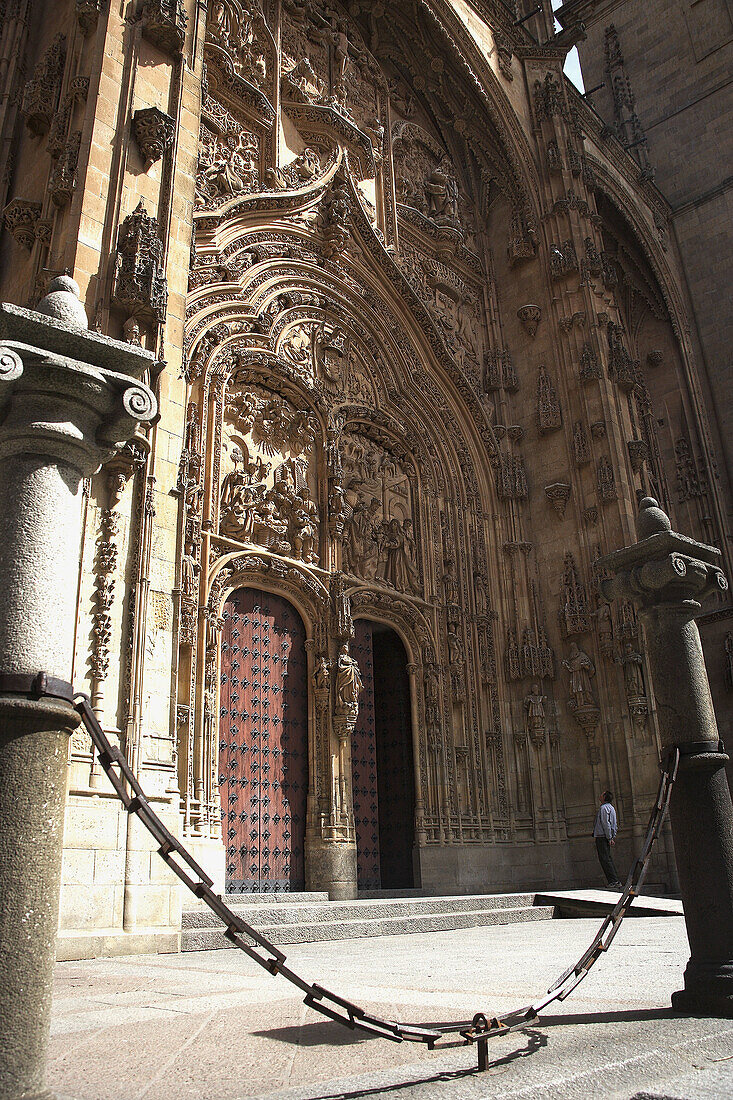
<point x="140" y="287"/>
<point x="153" y="133"/>
<point x="21" y="218"/>
<point x="379" y="539"/>
<point x="269" y="491"/>
<point x="303" y="170"/>
<point x="41" y="95"/>
<point x="606" y="480"/>
<point x="229" y="157"/>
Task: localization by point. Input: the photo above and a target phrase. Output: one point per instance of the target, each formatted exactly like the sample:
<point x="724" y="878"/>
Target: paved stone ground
<point x="213" y="1026"/>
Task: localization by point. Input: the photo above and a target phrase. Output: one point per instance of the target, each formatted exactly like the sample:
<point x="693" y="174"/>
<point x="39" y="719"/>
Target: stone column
<point x="69" y="399"/>
<point x="667" y="576"/>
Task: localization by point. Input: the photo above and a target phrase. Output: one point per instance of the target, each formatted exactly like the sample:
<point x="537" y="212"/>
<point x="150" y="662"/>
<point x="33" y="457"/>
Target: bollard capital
<point x="662" y="569"/>
<point x="68" y="395"/>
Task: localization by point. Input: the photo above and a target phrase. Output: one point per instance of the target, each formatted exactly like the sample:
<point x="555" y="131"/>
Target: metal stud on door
<point x="263" y="757"/>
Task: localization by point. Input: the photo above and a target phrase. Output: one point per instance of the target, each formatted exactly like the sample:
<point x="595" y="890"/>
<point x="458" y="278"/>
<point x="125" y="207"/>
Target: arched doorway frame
<point x="403" y="618"/>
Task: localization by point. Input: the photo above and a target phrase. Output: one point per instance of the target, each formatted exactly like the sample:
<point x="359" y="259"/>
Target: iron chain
<point x="329" y="1004"/>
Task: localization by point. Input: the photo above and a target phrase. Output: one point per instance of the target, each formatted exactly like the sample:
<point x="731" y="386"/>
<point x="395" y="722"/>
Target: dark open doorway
<point x="382" y="762"/>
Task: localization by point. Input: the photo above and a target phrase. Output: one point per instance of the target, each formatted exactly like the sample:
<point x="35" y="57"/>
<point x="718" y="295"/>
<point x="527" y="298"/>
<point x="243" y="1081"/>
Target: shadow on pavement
<point x="630" y="1015"/>
<point x="319" y="1034"/>
<point x="535" y="1041"/>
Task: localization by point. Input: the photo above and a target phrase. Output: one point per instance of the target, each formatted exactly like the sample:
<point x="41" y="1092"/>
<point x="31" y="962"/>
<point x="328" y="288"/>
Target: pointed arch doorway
<point x="382" y="761"/>
<point x="263" y="743"/>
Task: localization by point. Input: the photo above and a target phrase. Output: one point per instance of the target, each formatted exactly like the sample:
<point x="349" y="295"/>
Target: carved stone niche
<point x="20" y="217"/>
<point x="40" y="99"/>
<point x="529" y="318"/>
<point x="87" y="15"/>
<point x="164" y="24"/>
<point x="558" y="495"/>
<point x="153" y="133"/>
<point x="140" y="287"/>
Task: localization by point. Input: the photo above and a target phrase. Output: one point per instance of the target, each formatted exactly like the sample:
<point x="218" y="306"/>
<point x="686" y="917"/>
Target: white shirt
<point x="605" y="824"/>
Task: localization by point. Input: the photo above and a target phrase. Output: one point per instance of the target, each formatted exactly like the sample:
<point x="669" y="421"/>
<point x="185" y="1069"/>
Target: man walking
<point x="604" y="833"/>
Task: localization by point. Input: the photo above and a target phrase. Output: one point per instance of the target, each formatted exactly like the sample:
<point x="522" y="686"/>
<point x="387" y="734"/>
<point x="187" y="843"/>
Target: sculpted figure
<point x="270" y="529"/>
<point x="398" y="547"/>
<point x="605" y="629"/>
<point x="305" y="527"/>
<point x="534" y="704"/>
<point x="455" y="647"/>
<point x="322" y="675"/>
<point x="442" y="192"/>
<point x="633" y="675"/>
<point x="349" y="684"/>
<point x="581" y="668"/>
<point x="189" y="568"/>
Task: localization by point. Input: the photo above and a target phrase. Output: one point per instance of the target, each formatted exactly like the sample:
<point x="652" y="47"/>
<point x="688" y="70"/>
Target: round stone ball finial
<point x="63" y="304"/>
<point x="652" y="519"/>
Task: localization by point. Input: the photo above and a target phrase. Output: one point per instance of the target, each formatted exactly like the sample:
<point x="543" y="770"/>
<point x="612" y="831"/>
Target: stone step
<point x="362" y="909"/>
<point x="305" y="896"/>
<point x="212" y="939"/>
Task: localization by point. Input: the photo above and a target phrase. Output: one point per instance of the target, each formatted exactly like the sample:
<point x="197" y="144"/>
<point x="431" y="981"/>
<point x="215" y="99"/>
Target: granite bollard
<point x="667" y="576"/>
<point x="69" y="400"/>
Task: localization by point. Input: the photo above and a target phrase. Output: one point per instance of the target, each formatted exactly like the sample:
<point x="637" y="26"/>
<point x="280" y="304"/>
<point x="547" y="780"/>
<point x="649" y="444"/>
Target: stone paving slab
<point x="213" y="1026"/>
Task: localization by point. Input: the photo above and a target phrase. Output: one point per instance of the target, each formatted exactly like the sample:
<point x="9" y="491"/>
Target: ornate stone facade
<point x="415" y="358"/>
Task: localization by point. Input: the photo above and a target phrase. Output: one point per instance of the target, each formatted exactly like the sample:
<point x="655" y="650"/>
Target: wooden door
<point x="263" y="745"/>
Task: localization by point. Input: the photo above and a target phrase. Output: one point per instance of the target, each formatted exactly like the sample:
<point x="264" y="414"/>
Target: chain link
<point x="329" y="1004"/>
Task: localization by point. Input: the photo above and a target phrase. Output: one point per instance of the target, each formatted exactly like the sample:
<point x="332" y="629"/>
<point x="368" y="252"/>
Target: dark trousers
<point x="603" y="847"/>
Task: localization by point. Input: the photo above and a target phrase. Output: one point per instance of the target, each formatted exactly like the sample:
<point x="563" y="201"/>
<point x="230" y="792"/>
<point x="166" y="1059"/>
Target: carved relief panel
<point x="379" y="529"/>
<point x="269" y="490"/>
